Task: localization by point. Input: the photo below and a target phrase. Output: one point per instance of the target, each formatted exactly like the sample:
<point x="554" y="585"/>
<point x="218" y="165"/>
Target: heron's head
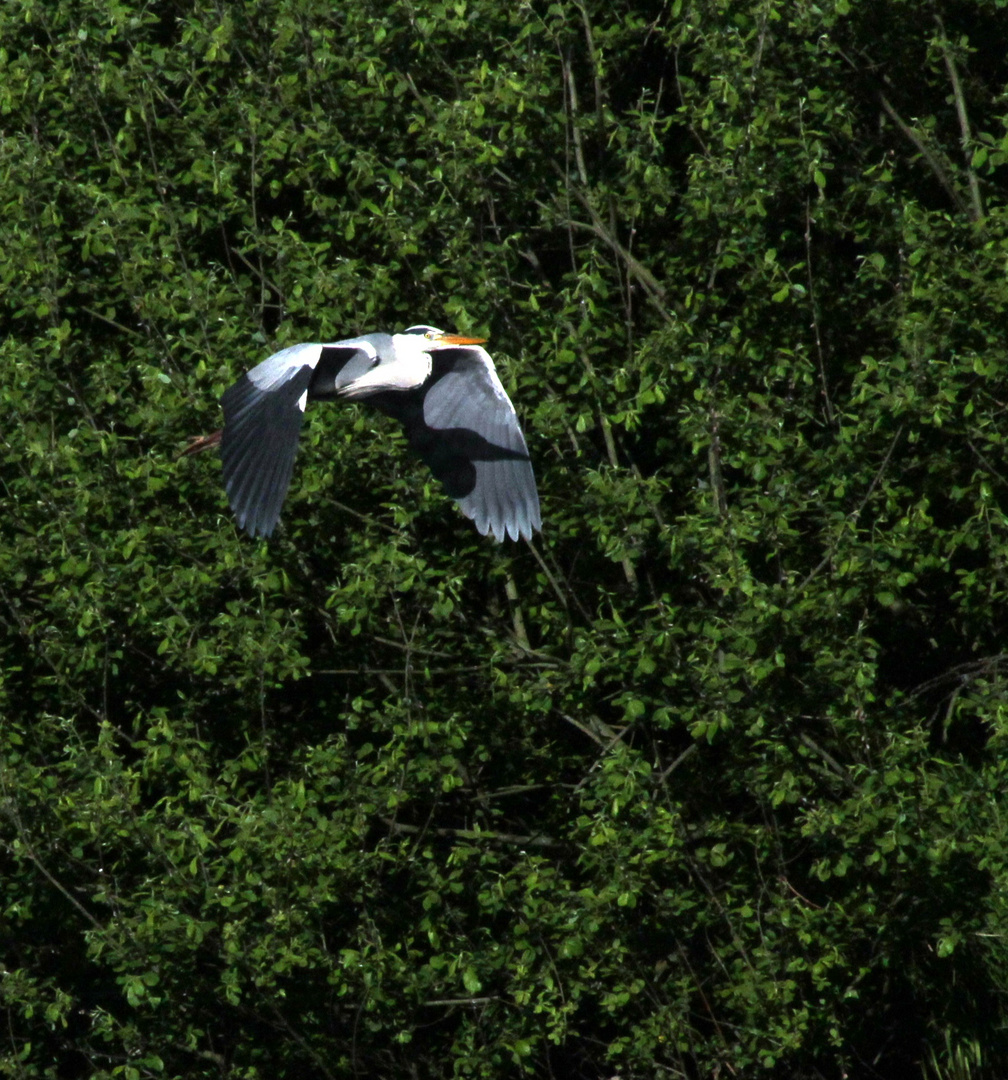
<point x="437" y="339"/>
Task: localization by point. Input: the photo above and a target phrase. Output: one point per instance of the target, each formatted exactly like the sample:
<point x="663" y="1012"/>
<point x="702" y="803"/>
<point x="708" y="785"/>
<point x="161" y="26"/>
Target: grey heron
<point x="443" y="389"/>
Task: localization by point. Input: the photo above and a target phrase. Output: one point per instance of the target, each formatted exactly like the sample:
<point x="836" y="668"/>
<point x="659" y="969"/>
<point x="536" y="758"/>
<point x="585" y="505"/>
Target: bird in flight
<point x="443" y="389"/>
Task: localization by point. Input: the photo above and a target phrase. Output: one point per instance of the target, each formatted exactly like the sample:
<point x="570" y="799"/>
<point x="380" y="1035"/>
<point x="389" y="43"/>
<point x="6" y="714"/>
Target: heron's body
<point x="443" y="389"/>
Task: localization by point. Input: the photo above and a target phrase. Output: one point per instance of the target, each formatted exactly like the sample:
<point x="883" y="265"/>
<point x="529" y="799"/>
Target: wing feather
<point x="263" y="411"/>
<point x="282" y="366"/>
<point x="270" y="494"/>
<point x="467" y="409"/>
<point x="262" y="422"/>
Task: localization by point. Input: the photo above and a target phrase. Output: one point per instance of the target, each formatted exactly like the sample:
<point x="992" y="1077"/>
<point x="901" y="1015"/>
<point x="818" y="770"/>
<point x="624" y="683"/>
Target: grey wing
<point x="502" y="499"/>
<point x="262" y="421"/>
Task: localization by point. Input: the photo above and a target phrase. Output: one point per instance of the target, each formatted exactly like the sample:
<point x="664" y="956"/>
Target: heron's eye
<point x="430" y="335"/>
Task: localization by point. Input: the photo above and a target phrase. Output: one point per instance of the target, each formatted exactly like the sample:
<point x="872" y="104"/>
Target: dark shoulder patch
<point x="337" y="365"/>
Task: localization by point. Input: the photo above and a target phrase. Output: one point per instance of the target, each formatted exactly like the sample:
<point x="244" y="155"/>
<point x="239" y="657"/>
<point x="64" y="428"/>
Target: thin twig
<point x="27" y="848"/>
<point x="986" y="463"/>
<point x="460" y="669"/>
<point x="815" y="312"/>
<point x="606" y="747"/>
<point x="714" y="466"/>
<point x="636" y="269"/>
<point x="585" y="613"/>
<point x="684" y="756"/>
<point x="110" y="322"/>
<point x="583" y="728"/>
<point x="442" y="1002"/>
<point x="549" y="576"/>
<point x="853" y="516"/>
<point x="301" y="1041"/>
<point x="807" y="741"/>
<point x="593" y="60"/>
<point x="932" y="159"/>
<point x="472" y="834"/>
<point x="794" y="892"/>
<point x="421" y="100"/>
<point x="511" y="591"/>
<point x="963" y="672"/>
<point x="607" y="436"/>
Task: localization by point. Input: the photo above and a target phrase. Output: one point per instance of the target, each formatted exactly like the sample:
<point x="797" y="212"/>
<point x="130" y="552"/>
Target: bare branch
<point x="512" y="839"/>
<point x="583" y="728"/>
<point x="635" y="268"/>
<point x="467" y="1001"/>
<point x="815" y="312"/>
<point x="575" y="125"/>
<point x="976" y="205"/>
<point x="684" y="756"/>
<point x="806" y="740"/>
<point x="511" y="591"/>
<point x="111" y="322"/>
<point x="26" y="847"/>
<point x="853" y="516"/>
<point x="714" y="465"/>
<point x="593" y="58"/>
<point x="942" y="174"/>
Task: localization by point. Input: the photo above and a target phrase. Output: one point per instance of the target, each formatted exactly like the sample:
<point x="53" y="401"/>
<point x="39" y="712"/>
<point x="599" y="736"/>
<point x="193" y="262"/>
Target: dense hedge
<point x="710" y="779"/>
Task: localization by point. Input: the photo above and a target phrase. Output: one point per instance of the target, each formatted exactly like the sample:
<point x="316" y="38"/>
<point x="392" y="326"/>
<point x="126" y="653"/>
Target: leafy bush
<point x="708" y="779"/>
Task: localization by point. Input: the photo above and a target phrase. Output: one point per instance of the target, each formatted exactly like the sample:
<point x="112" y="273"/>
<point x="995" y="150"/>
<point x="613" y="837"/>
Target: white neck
<point x="408" y="368"/>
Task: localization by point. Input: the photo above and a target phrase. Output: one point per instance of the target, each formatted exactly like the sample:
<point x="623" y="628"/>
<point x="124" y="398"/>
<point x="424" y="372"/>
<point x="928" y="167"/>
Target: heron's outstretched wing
<point x="473" y="443"/>
<point x="262" y="421"/>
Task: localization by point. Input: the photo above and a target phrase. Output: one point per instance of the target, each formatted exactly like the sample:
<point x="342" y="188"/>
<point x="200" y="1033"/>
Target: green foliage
<point x="711" y="779"/>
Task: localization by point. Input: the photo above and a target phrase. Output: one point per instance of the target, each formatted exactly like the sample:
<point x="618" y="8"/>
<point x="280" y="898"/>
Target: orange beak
<point x="457" y="339"/>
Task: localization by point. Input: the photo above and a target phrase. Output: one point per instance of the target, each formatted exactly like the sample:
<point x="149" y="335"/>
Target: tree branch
<point x="932" y="159"/>
<point x="976" y="205"/>
<point x="512" y="839"/>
